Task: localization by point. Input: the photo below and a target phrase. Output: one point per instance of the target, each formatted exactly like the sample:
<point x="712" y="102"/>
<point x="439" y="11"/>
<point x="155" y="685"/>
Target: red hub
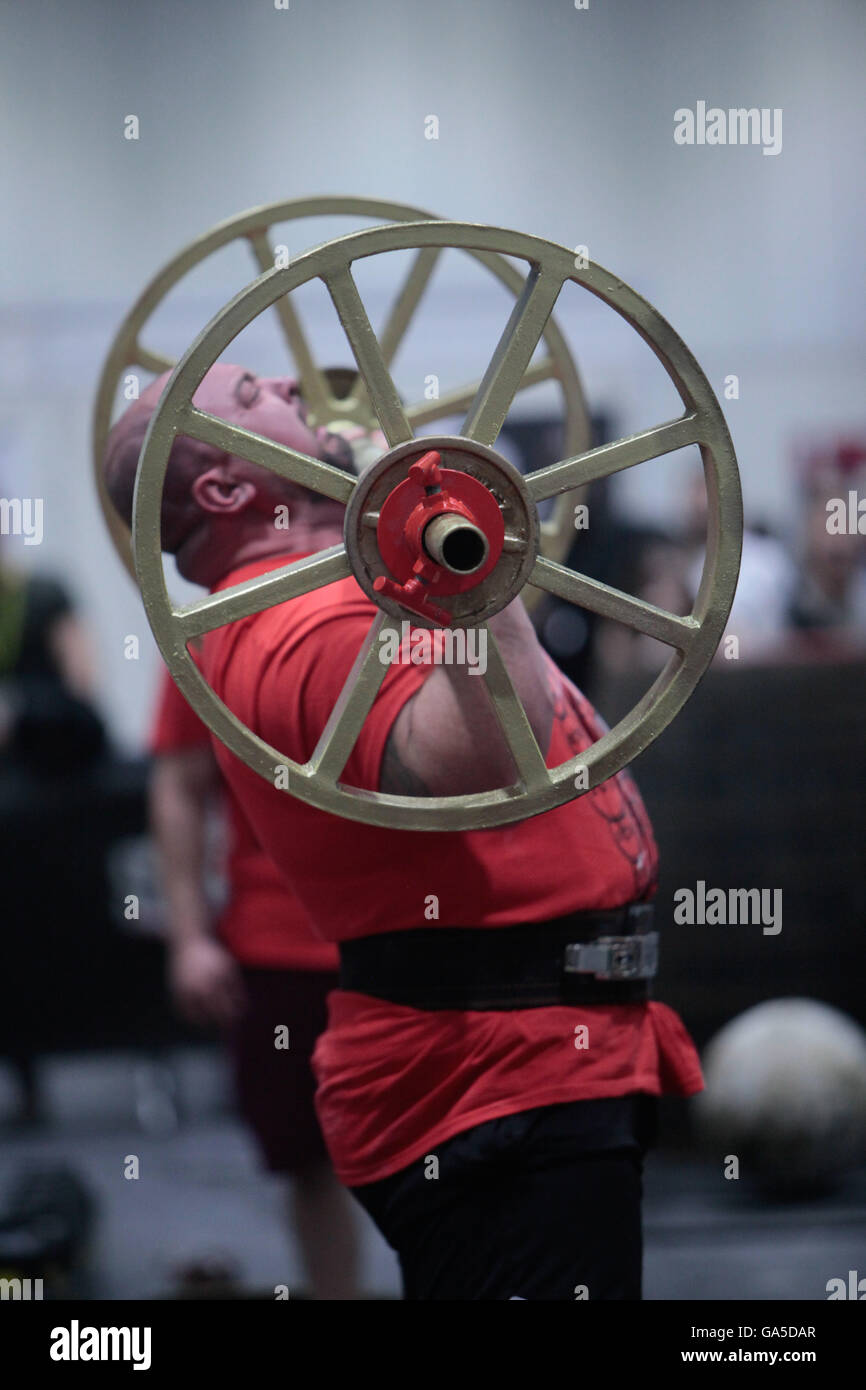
<point x="449" y="557"/>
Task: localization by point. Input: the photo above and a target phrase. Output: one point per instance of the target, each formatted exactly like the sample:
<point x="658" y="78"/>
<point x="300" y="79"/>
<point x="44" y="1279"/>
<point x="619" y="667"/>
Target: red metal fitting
<point x="430" y="491"/>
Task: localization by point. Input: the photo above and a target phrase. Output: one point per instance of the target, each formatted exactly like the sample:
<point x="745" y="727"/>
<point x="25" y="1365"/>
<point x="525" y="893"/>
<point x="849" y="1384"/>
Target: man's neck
<point x="211" y="566"/>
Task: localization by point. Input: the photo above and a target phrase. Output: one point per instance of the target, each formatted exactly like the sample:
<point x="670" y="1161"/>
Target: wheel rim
<point x="692" y="639"/>
<point x="254" y="226"/>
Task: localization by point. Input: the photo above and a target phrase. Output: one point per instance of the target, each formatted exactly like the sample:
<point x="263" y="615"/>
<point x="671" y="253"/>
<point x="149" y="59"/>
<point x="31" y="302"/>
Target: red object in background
<point x="836" y="461"/>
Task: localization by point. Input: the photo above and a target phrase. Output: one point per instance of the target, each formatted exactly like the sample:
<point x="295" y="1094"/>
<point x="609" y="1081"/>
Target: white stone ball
<point x="786" y="1094"/>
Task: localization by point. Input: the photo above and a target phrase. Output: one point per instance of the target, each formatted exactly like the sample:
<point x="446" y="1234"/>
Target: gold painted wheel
<point x="692" y="639"/>
<point x="348" y="405"/>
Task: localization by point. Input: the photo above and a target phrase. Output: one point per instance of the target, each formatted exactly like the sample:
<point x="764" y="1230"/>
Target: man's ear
<point x="217" y="492"/>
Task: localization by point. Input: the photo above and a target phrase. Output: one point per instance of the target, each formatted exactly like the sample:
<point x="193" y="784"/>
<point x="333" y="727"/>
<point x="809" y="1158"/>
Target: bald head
<point x="122" y="453"/>
<point x="216" y="503"/>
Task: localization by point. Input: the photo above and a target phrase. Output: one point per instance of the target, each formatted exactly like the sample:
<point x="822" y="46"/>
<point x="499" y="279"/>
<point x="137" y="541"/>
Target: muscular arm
<point x="204" y="978"/>
<point x="446" y="740"/>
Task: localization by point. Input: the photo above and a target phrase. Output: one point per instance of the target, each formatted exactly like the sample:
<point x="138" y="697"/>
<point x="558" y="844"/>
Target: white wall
<point x="552" y="120"/>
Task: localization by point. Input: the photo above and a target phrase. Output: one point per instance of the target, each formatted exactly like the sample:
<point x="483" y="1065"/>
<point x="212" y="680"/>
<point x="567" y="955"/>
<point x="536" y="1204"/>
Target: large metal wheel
<point x="693" y="639"/>
<point x="326" y="406"/>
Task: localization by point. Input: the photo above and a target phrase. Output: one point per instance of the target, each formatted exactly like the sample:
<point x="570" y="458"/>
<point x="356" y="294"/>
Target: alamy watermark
<point x="739" y="125"/>
<point x="22" y="516"/>
<point x="419" y="646"/>
<point x="21" y="1290"/>
<point x="702" y="906"/>
<point x="846" y="518"/>
<point x="77" y="1343"/>
<point x="854" y="1287"/>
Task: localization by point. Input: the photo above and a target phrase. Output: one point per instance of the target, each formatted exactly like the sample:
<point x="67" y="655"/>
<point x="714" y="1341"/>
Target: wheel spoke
<point x="522" y="743"/>
<point x="403" y="309"/>
<point x="512" y="355"/>
<point x="314" y="384"/>
<point x="154" y="362"/>
<point x="461" y="398"/>
<point x="368" y="355"/>
<point x="542" y="370"/>
<point x="279" y="458"/>
<point x="407" y="301"/>
<point x="613" y="603"/>
<point x="354" y="703"/>
<point x="612" y="458"/>
<point x="263" y="591"/>
<point x="453" y="402"/>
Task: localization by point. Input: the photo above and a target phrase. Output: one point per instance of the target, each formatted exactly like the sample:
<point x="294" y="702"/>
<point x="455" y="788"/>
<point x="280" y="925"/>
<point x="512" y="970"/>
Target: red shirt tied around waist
<point x="262" y="923"/>
<point x="395" y="1081"/>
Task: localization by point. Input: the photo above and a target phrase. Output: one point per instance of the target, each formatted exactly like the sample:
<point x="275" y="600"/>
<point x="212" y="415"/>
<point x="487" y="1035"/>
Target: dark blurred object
<point x="30" y="609"/>
<point x="209" y="1275"/>
<point x="52" y="732"/>
<point x="606" y="549"/>
<point x="830" y="592"/>
<point x="760" y="782"/>
<point x="654" y="567"/>
<point x="45" y="1222"/>
<point x="609" y="549"/>
<point x="71" y="979"/>
<point x="47" y="720"/>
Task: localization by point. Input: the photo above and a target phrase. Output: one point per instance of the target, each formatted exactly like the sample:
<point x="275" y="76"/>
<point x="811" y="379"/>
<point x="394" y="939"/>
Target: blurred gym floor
<point x="200" y="1199"/>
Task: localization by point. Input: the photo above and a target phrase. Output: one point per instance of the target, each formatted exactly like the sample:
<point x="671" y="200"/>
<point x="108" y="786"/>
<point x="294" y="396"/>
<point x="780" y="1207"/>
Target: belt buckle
<point x="615" y="957"/>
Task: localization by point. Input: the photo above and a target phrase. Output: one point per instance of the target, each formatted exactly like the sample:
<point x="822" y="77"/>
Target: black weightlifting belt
<point x="586" y="958"/>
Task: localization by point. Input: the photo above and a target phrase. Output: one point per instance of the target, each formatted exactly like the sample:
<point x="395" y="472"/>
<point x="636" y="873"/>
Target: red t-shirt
<point x="395" y="1081"/>
<point x="262" y="923"/>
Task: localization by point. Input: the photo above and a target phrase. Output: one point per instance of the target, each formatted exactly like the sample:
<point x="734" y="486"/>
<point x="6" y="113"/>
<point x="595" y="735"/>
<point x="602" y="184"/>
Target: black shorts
<point x="542" y="1205"/>
<point x="275" y="1086"/>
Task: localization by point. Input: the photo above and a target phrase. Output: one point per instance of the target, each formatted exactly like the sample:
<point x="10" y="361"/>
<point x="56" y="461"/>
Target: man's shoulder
<point x="336" y="612"/>
<point x="308" y="616"/>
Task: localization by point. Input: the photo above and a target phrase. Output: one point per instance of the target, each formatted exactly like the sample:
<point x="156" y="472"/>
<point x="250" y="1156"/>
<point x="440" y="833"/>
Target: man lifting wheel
<point x="485" y="1074"/>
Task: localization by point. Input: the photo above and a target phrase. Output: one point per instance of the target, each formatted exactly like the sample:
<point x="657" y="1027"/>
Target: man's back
<point x="281" y="672"/>
<point x="395" y="1080"/>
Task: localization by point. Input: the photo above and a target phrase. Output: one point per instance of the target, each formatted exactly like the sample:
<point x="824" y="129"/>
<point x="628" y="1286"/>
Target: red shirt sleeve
<point x="176" y="726"/>
<point x="304" y="677"/>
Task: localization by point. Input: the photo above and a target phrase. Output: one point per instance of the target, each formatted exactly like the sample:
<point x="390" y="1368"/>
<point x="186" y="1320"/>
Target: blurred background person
<point x="253" y="971"/>
<point x="49" y="728"/>
<point x="830" y="593"/>
<point x="41" y="634"/>
<point x="47" y="672"/>
<point x="666" y="568"/>
<point x="759" y="615"/>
